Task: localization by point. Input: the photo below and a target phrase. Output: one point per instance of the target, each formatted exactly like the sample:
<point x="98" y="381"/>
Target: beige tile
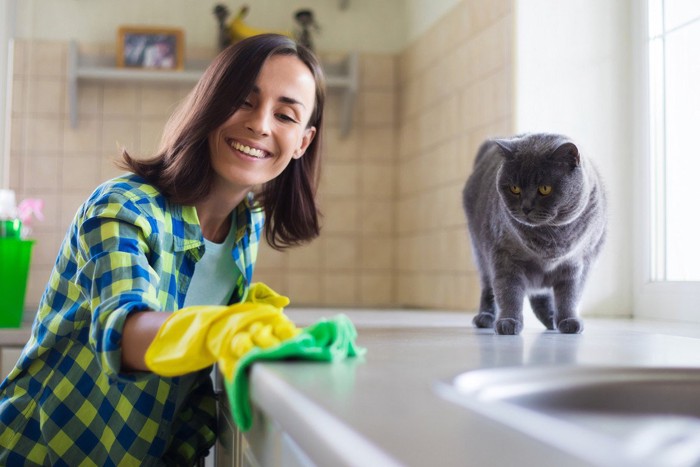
<point x="41" y="173"/>
<point x="340" y="289"/>
<point x="84" y="138"/>
<point x="38" y="278"/>
<point x="340" y="253"/>
<point x="44" y="134"/>
<point x="378" y="107"/>
<point x="158" y="101"/>
<point x="270" y="259"/>
<point x="45" y="248"/>
<point x="70" y="202"/>
<point x="339" y="148"/>
<point x="90" y="99"/>
<point x="334" y="104"/>
<point x="19" y="97"/>
<point x="410" y="98"/>
<point x="80" y="173"/>
<point x="377" y="71"/>
<point x="377" y="290"/>
<point x="108" y="167"/>
<point x="20" y="49"/>
<point x="377" y="253"/>
<point x="377" y="181"/>
<point x="18" y="145"/>
<point x="16" y="170"/>
<point x="463" y="66"/>
<point x="47" y="58"/>
<point x="307" y="257"/>
<point x="408" y="218"/>
<point x="377" y="217"/>
<point x="492" y="47"/>
<point x="150" y="132"/>
<point x="118" y="134"/>
<point x="121" y="100"/>
<point x="377" y="144"/>
<point x="46" y="96"/>
<point x="341" y="216"/>
<point x="51" y="222"/>
<point x="340" y="179"/>
<point x="410" y="142"/>
<point x="305" y="289"/>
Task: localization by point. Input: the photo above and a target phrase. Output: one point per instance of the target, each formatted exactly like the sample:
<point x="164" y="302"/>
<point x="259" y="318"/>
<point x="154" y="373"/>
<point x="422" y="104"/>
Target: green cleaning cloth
<point x="327" y="340"/>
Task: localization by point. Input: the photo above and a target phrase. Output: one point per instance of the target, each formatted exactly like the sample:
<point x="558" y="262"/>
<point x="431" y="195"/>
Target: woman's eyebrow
<point x="283" y="99"/>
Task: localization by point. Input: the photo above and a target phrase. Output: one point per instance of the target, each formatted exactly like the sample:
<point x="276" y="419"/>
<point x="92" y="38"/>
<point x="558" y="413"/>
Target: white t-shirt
<point x="215" y="274"/>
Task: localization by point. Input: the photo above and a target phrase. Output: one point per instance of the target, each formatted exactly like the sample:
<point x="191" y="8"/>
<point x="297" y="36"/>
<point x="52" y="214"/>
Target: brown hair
<point x="182" y="168"/>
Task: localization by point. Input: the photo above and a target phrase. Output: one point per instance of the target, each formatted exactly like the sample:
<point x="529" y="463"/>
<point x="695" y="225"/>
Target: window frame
<point x="653" y="299"/>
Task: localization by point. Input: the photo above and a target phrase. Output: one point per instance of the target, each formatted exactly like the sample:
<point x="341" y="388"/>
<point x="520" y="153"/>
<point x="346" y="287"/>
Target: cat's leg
<point x="543" y="306"/>
<point x="567" y="293"/>
<point x="487" y="309"/>
<point x="509" y="292"/>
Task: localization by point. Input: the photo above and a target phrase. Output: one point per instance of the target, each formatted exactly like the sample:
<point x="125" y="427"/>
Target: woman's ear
<point x="306" y="140"/>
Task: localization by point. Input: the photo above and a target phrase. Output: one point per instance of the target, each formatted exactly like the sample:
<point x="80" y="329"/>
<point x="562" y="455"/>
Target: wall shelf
<point x="341" y="77"/>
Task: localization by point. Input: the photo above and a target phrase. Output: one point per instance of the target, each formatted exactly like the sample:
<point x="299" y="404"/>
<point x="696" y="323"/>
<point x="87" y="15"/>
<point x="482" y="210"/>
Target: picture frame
<point x="153" y="48"/>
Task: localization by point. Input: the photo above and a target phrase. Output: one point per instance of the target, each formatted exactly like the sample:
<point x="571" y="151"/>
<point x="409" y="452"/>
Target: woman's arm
<point x="139" y="330"/>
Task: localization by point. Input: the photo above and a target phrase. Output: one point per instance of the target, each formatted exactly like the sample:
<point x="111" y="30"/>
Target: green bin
<point x="15" y="256"/>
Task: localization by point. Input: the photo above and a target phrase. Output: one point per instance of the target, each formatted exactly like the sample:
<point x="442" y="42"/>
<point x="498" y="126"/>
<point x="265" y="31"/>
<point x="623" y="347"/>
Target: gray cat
<point x="536" y="213"/>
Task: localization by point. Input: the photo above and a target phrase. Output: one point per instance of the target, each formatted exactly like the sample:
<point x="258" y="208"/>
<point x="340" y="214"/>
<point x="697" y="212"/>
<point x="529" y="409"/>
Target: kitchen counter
<point x="382" y="409"/>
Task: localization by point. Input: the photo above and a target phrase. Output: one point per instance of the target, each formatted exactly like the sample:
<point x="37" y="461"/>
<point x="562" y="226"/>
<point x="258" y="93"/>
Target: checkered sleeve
<point x="114" y="273"/>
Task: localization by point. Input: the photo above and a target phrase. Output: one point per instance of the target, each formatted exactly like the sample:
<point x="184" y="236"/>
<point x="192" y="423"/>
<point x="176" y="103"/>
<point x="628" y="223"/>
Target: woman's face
<point x="260" y="139"/>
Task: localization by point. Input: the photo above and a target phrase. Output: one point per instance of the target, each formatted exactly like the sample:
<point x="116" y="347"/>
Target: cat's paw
<point x="483" y="320"/>
<point x="509" y="326"/>
<point x="570" y="326"/>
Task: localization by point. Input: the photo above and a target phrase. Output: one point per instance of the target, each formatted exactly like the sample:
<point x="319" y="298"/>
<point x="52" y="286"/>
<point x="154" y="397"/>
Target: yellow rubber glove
<point x="195" y="337"/>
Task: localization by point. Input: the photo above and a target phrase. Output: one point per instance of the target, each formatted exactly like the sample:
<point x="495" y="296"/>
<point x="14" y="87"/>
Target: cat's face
<point x="539" y="185"/>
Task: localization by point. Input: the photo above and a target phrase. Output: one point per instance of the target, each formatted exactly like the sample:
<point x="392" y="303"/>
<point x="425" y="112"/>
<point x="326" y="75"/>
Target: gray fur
<point x="532" y="245"/>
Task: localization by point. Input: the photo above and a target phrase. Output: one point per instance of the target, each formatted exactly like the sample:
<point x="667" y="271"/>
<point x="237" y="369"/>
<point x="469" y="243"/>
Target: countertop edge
<point x="324" y="438"/>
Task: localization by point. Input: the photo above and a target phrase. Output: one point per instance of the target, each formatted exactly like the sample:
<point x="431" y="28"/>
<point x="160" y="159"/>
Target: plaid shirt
<point x="67" y="402"/>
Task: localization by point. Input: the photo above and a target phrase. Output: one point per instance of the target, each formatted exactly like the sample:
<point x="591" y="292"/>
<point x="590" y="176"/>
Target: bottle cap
<point x="8" y="206"/>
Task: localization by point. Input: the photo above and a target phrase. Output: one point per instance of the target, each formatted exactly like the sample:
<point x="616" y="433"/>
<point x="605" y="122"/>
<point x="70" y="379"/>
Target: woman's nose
<point x="259" y="122"/>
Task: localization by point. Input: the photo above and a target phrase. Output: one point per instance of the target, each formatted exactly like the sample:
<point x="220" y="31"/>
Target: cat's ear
<point x="568" y="152"/>
<point x="507" y="147"/>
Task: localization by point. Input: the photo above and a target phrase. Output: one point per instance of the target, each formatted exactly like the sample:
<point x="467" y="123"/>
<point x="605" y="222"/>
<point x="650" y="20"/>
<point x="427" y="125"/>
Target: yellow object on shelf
<point x="239" y="29"/>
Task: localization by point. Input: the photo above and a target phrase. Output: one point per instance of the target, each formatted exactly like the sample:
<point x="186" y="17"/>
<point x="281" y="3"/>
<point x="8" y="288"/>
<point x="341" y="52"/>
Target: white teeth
<point x="248" y="150"/>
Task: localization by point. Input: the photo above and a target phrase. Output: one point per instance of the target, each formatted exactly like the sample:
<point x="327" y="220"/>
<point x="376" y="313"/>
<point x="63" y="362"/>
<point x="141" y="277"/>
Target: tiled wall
<point x="455" y="90"/>
<point x="351" y="264"/>
<point x="393" y="229"/>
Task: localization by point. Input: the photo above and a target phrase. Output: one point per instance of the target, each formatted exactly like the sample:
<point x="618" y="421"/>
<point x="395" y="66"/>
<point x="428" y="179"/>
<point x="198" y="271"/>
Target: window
<point x="674" y="79"/>
<point x="671" y="288"/>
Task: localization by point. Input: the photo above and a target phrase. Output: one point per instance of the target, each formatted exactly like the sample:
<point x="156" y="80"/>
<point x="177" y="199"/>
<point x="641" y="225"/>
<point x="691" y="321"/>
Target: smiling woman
<point x="182" y="229"/>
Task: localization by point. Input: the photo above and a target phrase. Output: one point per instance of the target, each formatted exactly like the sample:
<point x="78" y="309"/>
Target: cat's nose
<point x="527" y="210"/>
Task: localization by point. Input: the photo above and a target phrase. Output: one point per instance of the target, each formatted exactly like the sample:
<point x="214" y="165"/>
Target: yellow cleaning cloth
<point x="196" y="337"/>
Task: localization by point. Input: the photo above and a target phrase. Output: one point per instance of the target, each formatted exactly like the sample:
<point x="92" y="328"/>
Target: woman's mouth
<point x="247" y="150"/>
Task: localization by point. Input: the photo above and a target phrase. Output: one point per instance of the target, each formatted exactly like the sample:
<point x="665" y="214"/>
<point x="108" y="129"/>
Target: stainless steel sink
<point x="606" y="415"/>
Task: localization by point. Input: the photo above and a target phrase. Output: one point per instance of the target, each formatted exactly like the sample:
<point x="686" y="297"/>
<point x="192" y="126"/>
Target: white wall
<point x="573" y="62"/>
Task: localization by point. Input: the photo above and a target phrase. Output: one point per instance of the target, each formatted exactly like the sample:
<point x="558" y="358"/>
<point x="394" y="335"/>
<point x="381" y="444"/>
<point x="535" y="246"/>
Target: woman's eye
<point x="515" y="189"/>
<point x="286" y="118"/>
<point x="545" y="189"/>
<point x="247" y="104"/>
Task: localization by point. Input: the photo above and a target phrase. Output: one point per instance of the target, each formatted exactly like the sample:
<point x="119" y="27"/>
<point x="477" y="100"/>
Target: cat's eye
<point x="515" y="189"/>
<point x="545" y="189"/>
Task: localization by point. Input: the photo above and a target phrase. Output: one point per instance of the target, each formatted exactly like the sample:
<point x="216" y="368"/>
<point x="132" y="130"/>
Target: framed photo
<point x="151" y="48"/>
